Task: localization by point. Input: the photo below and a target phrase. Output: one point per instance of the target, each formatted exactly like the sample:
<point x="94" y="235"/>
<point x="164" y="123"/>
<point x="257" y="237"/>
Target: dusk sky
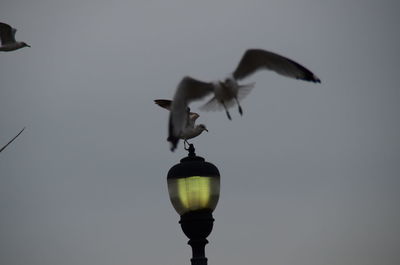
<point x="310" y="174"/>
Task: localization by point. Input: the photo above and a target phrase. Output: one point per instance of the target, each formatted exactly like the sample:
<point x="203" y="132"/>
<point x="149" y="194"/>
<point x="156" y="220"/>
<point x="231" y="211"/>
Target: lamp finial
<point x="191" y="151"/>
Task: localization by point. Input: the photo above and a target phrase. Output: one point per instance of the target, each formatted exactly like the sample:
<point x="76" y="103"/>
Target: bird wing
<point x="256" y="59"/>
<point x="191" y="119"/>
<point x="214" y="105"/>
<point x="13" y="31"/>
<point x="7" y="33"/>
<point x="164" y="103"/>
<point x="193" y="116"/>
<point x="15" y="137"/>
<point x="244" y="90"/>
<point x="188" y="90"/>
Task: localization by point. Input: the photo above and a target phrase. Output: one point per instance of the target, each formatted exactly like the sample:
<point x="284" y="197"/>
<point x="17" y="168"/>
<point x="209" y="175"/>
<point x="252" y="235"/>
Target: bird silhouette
<point x="7" y="38"/>
<point x="188" y="130"/>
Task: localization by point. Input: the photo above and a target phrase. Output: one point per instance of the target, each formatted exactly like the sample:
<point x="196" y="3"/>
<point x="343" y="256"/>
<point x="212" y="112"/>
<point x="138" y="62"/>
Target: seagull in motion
<point x="188" y="131"/>
<point x="7" y="38"/>
<point x="228" y="91"/>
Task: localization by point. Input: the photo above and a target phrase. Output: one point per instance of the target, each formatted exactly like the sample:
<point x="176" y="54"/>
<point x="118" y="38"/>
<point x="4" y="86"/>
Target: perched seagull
<point x="189" y="129"/>
<point x="7" y="38"/>
<point x="15" y="137"/>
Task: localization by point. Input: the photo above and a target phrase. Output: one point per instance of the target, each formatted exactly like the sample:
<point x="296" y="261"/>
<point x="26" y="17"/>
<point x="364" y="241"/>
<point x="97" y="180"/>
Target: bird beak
<point x="206" y="129"/>
<point x="27" y="45"/>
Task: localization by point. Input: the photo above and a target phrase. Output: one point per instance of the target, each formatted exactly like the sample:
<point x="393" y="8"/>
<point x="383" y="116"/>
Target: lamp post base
<point x="198" y="261"/>
<point x="197" y="226"/>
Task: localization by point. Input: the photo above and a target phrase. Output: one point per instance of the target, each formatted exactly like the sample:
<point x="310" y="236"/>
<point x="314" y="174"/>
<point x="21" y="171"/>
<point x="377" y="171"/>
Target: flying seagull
<point x="189" y="130"/>
<point x="7" y="38"/>
<point x="15" y="137"/>
<point x="228" y="92"/>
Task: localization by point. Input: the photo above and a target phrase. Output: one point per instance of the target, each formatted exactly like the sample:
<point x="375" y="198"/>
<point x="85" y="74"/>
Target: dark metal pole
<point x="198" y="257"/>
<point x="197" y="227"/>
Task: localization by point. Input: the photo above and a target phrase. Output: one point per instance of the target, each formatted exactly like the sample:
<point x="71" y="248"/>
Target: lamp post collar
<point x="192" y="155"/>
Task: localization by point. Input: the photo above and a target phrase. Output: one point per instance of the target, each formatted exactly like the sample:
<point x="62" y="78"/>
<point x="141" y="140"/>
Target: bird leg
<point x="240" y="108"/>
<point x="226" y="110"/>
<point x="185" y="142"/>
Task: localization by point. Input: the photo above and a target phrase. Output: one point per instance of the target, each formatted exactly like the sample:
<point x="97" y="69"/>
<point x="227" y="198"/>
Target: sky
<point x="309" y="173"/>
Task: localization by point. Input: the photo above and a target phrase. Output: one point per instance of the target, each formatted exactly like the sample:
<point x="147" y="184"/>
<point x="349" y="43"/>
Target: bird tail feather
<point x="173" y="139"/>
<point x="244" y="90"/>
<point x="212" y="105"/>
<point x="174" y="142"/>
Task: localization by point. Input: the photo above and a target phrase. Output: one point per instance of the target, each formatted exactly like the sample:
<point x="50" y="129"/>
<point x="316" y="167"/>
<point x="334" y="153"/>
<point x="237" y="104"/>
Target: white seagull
<point x="7" y="38"/>
<point x="189" y="131"/>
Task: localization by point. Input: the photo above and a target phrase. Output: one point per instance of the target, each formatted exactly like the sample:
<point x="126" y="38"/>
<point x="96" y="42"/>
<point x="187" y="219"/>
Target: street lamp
<point x="193" y="187"/>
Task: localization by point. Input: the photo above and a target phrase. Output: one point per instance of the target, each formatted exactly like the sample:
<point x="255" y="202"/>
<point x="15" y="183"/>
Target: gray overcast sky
<point x="310" y="173"/>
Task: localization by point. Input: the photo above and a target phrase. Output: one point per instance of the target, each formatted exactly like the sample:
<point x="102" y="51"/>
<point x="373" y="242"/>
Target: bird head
<point x="230" y="82"/>
<point x="202" y="127"/>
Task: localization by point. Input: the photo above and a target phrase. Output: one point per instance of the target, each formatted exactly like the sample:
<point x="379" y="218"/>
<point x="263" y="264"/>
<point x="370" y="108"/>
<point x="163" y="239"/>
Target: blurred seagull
<point x="15" y="137"/>
<point x="7" y="38"/>
<point x="188" y="130"/>
<point x="228" y="92"/>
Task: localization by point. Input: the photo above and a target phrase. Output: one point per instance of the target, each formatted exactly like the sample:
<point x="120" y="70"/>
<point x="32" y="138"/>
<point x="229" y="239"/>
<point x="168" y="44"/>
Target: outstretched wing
<point x="256" y="59"/>
<point x="15" y="137"/>
<point x="244" y="90"/>
<point x="7" y="33"/>
<point x="164" y="103"/>
<point x="193" y="116"/>
<point x="214" y="105"/>
<point x="188" y="90"/>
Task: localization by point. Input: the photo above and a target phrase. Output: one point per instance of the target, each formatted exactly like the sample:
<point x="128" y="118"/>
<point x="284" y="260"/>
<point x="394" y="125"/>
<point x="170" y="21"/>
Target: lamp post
<point x="193" y="187"/>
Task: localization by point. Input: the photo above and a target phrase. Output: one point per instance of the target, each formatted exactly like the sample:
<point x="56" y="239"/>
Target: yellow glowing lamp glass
<point x="194" y="193"/>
